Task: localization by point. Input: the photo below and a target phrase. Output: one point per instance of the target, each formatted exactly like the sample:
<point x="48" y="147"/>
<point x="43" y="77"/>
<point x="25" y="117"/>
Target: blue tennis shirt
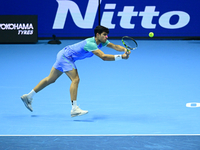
<point x="83" y="49"/>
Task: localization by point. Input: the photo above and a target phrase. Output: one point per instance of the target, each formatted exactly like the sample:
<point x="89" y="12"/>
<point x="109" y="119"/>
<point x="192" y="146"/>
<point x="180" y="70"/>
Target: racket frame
<point x="127" y="47"/>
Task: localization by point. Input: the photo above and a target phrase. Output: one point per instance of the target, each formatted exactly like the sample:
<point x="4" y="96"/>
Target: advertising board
<point x="18" y="29"/>
<point x="75" y="18"/>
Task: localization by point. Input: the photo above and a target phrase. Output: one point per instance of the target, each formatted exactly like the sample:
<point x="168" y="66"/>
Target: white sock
<point x="74" y="104"/>
<point x="31" y="94"/>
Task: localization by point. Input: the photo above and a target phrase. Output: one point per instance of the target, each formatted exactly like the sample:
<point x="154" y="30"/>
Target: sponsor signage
<point x="18" y="29"/>
<point x="127" y="17"/>
<point x="78" y="18"/>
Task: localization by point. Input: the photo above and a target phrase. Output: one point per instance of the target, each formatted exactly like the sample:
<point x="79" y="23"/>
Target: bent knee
<point x="76" y="80"/>
<point x="50" y="80"/>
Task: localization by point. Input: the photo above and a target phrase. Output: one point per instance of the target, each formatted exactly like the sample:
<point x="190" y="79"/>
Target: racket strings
<point x="130" y="44"/>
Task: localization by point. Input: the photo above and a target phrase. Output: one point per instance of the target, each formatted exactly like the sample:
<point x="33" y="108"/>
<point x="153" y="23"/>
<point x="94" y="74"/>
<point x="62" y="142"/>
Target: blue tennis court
<point x="142" y="97"/>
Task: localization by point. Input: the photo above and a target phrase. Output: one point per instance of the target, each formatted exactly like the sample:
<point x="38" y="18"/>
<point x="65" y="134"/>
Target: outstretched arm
<point x="108" y="57"/>
<point x="117" y="47"/>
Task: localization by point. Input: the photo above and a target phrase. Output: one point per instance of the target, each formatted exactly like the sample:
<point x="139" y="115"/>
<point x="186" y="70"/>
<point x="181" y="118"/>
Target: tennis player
<point x="65" y="63"/>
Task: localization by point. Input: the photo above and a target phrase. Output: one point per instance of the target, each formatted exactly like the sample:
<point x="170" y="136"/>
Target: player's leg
<point x="53" y="76"/>
<point x="74" y="77"/>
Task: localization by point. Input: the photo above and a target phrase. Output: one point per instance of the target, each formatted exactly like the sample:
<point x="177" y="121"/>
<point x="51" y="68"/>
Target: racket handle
<point x="127" y="51"/>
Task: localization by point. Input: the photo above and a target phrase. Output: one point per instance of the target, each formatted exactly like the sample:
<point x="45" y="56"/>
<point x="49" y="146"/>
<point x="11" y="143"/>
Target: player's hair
<point x="100" y="29"/>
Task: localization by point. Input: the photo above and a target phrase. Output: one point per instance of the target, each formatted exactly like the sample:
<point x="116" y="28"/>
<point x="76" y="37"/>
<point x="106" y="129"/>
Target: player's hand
<point x="128" y="52"/>
<point x="125" y="56"/>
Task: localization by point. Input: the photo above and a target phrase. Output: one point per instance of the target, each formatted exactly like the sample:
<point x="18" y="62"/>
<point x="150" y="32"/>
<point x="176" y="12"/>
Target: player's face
<point x="103" y="37"/>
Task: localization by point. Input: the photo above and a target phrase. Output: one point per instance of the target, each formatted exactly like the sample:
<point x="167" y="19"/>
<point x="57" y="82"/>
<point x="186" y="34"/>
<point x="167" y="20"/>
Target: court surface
<point x="144" y="95"/>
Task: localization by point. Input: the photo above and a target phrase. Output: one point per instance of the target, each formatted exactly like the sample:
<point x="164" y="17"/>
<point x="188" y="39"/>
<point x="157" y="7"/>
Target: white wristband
<point x="118" y="57"/>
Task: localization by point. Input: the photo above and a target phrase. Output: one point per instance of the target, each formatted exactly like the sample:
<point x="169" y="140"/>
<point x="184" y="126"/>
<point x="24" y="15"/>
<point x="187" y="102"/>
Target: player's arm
<point x="117" y="47"/>
<point x="108" y="57"/>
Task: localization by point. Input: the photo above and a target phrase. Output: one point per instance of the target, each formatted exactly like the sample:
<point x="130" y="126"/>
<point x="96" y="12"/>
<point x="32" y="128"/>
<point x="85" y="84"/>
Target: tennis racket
<point x="129" y="43"/>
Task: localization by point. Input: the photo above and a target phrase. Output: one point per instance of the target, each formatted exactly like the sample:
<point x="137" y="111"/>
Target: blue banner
<point x="78" y="18"/>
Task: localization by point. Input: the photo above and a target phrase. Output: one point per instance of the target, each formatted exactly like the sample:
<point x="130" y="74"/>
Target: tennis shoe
<point x="27" y="102"/>
<point x="78" y="112"/>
